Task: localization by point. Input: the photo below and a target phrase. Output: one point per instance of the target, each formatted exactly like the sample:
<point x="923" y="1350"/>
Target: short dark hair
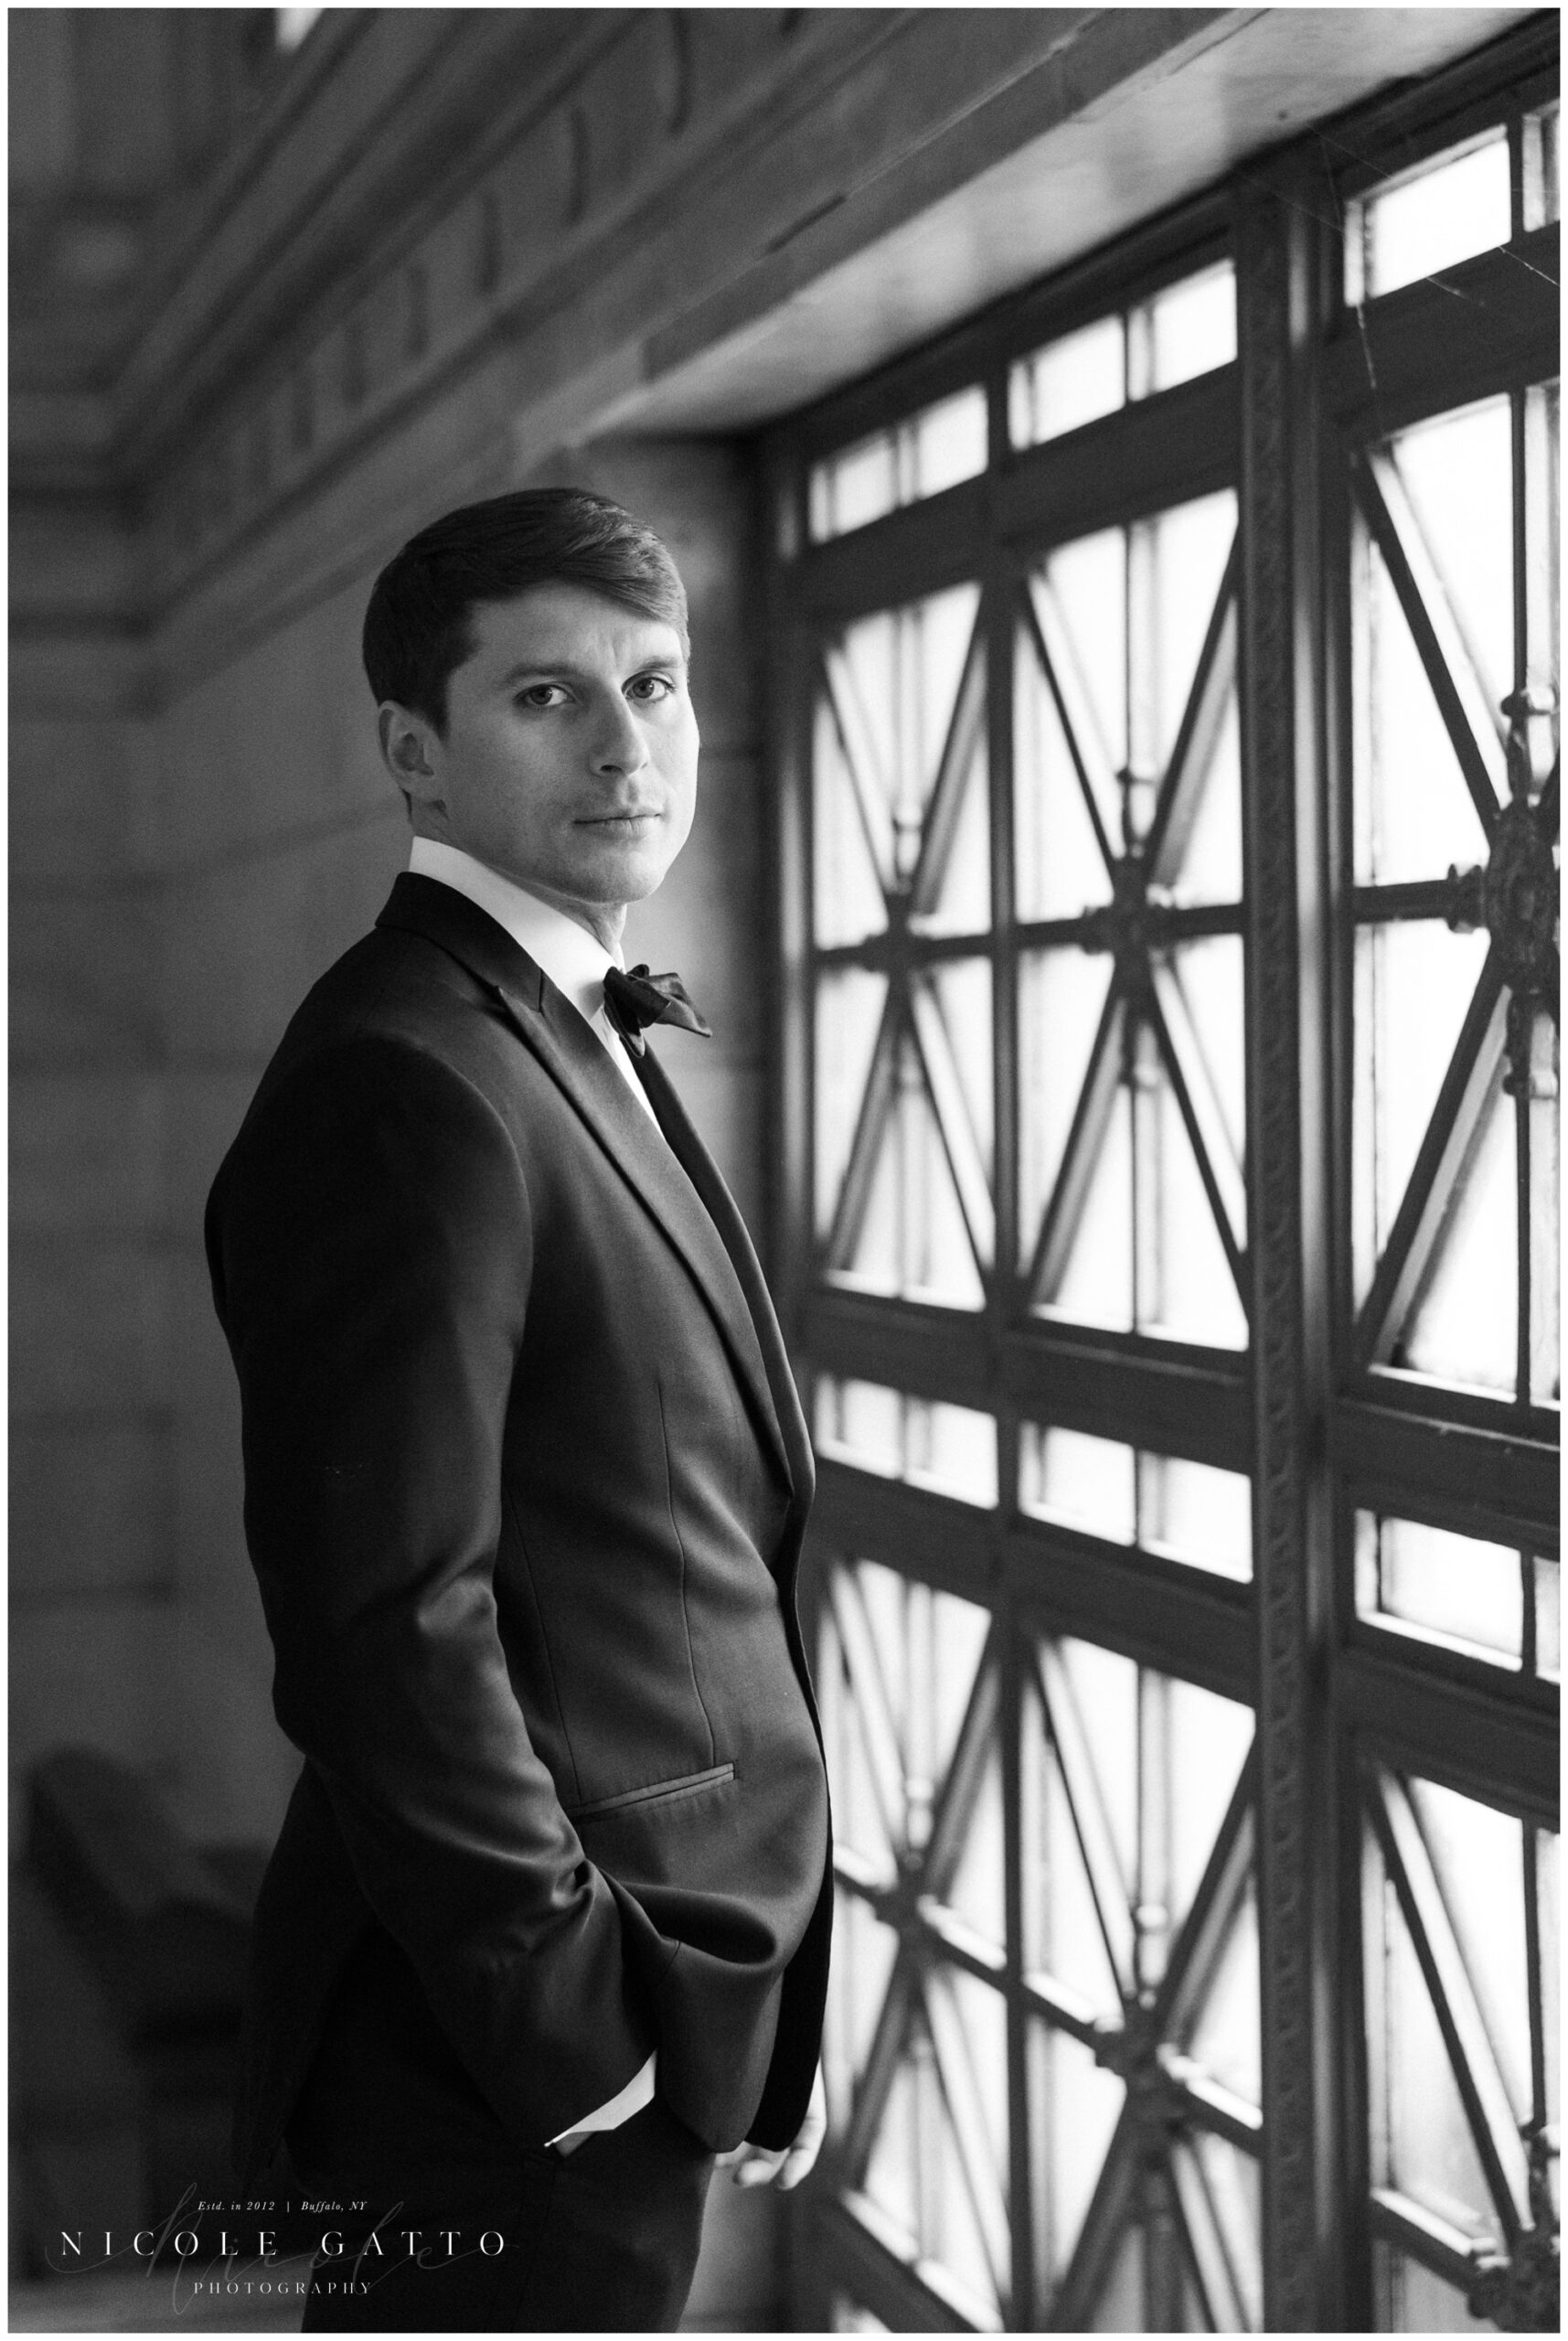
<point x="419" y="628"/>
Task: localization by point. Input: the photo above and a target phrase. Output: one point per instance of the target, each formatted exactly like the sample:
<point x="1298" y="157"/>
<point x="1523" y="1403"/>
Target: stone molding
<point x="389" y="235"/>
<point x="457" y="240"/>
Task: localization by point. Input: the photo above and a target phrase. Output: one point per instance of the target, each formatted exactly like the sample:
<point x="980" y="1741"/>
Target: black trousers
<point x="505" y="2238"/>
<point x="603" y="2241"/>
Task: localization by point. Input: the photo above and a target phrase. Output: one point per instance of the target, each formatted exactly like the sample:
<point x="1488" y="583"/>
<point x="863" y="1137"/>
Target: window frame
<point x="1335" y="1696"/>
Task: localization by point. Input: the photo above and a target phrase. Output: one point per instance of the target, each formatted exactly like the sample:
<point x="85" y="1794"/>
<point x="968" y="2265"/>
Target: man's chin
<point x="603" y="890"/>
<point x="621" y="875"/>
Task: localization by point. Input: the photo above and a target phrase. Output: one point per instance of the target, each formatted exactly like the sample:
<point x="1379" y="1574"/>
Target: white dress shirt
<point x="573" y="959"/>
<point x="575" y="962"/>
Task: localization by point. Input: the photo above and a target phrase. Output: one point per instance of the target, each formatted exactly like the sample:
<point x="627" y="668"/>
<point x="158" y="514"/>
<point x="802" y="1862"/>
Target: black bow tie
<point x="636" y="998"/>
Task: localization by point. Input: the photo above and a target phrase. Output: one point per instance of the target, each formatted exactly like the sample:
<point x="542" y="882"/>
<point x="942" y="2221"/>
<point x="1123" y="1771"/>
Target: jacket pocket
<point x="657" y="1793"/>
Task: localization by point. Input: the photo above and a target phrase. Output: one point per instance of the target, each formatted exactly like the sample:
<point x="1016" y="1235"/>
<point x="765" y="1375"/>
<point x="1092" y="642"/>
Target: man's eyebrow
<point x="545" y="666"/>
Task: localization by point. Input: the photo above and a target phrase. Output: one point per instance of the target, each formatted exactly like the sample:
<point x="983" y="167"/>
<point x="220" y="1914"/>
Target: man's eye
<point x="650" y="687"/>
<point x="542" y="695"/>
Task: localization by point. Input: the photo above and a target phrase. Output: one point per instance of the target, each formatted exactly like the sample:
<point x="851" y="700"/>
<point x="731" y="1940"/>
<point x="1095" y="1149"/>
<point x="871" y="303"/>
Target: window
<point x="1444" y="491"/>
<point x="291" y="26"/>
<point x="1169" y="830"/>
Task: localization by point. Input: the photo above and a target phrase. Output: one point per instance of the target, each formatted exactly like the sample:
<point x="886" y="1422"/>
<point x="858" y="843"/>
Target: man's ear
<point x="410" y="750"/>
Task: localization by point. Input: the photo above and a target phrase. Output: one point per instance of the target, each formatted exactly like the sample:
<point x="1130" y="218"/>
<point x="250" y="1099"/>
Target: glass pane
<point x="1075" y="1928"/>
<point x="1421" y="2139"/>
<point x="1196" y="1513"/>
<point x="1181" y="1510"/>
<point x="1544" y="1118"/>
<point x="1195" y="1744"/>
<point x="1073" y="2108"/>
<point x="938" y="2159"/>
<point x="860" y="1423"/>
<point x="1468" y="1883"/>
<point x="1084" y="1482"/>
<point x="1186" y="549"/>
<point x="1465" y="1329"/>
<point x="1061" y="996"/>
<point x="898" y="1664"/>
<point x="1093" y="1712"/>
<point x="858" y="485"/>
<point x="950" y="1449"/>
<point x="1548" y="1596"/>
<point x="850" y="1003"/>
<point x="1414" y="982"/>
<point x="1447" y="209"/>
<point x="1227" y="2039"/>
<point x="1455" y="1589"/>
<point x="1547" y="1920"/>
<point x="1231" y="2185"/>
<point x="894" y="679"/>
<point x="949" y="442"/>
<point x="289" y="26"/>
<point x="1411" y="2299"/>
<point x="1186" y="329"/>
<point x="1148" y="1254"/>
<point x="862" y="1769"/>
<point x="978" y="1889"/>
<point x="858" y="1984"/>
<point x="849" y="2316"/>
<point x="1414" y="816"/>
<point x="1094" y="1286"/>
<point x="1061" y="866"/>
<point x="1542" y="188"/>
<point x="1458" y="474"/>
<point x="918" y="457"/>
<point x="916" y="1239"/>
<point x="1081" y="603"/>
<point x="1146" y="1766"/>
<point x="957" y="1047"/>
<point x="1068" y="383"/>
<point x="1477" y="1854"/>
<point x="953" y="895"/>
<point x="1191" y="327"/>
<point x="1211" y="981"/>
<point x="1185" y="1286"/>
<point x="847" y="902"/>
<point x="1211" y="867"/>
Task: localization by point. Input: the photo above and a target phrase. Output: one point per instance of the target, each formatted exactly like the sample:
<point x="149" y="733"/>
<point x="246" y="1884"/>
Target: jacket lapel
<point x="657" y="1171"/>
<point x="721" y="1209"/>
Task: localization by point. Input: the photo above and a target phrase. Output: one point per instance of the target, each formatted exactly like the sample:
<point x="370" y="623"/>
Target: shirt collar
<point x="573" y="959"/>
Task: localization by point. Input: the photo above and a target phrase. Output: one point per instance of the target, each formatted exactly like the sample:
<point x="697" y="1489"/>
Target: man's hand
<point x="783" y="2166"/>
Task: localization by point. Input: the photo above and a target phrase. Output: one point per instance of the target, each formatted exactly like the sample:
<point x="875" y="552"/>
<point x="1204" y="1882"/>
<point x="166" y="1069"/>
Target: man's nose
<point x="617" y="743"/>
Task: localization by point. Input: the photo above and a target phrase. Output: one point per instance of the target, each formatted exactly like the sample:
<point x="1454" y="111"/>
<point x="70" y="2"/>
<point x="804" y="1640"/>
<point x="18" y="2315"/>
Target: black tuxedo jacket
<point x="526" y="1479"/>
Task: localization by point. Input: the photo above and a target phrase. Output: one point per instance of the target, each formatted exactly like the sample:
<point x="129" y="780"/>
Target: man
<point x="526" y="1479"/>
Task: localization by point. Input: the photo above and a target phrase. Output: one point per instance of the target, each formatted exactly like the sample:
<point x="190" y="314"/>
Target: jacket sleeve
<point x="370" y="1242"/>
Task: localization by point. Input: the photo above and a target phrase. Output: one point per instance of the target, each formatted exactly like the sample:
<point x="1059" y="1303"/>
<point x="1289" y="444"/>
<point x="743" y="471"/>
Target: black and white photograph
<point x="785" y="1171"/>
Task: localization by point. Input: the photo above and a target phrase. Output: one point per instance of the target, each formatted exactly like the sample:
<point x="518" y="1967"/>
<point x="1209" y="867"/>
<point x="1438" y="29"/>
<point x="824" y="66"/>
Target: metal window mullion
<point x="1028" y="2301"/>
<point x="1286" y="255"/>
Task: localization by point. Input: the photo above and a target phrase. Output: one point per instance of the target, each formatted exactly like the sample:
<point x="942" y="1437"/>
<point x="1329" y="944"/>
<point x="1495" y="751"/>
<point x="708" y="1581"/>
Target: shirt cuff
<point x="638" y="2092"/>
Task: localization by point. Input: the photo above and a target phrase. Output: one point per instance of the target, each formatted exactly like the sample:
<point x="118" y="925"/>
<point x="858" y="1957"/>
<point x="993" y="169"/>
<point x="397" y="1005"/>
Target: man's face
<point x="570" y="758"/>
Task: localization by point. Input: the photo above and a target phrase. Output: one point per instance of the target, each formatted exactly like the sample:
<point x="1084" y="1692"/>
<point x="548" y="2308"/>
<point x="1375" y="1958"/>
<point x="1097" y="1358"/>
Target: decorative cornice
<point x="404" y="280"/>
<point x="477" y="274"/>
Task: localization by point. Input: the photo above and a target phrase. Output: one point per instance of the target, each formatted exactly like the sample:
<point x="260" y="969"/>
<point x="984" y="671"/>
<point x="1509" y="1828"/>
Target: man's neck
<point x="605" y="921"/>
